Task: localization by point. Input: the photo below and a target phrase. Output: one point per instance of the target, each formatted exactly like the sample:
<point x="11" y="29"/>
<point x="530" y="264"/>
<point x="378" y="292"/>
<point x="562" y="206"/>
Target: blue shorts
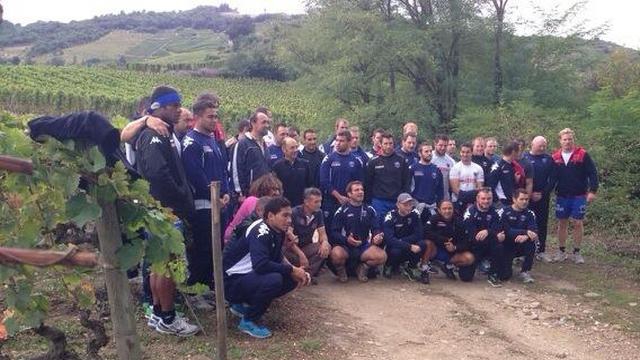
<point x="442" y="255"/>
<point x="574" y="207"/>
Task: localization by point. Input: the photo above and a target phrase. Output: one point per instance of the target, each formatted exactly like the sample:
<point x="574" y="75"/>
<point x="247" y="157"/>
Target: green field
<point x="184" y="46"/>
<point x="52" y="90"/>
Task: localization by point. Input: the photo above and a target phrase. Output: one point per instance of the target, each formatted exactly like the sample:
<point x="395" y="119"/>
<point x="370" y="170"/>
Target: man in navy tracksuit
<point x="356" y="237"/>
<point x="521" y="233"/>
<point x="407" y="148"/>
<point x="403" y="238"/>
<point x="274" y="152"/>
<point x="447" y="242"/>
<point x="356" y="149"/>
<point x="249" y="160"/>
<point x="576" y="181"/>
<point x="482" y="224"/>
<point x="158" y="162"/>
<point x="504" y="177"/>
<point x="386" y="177"/>
<point x="254" y="269"/>
<point x="204" y="162"/>
<point x="338" y="169"/>
<point x="329" y="146"/>
<point x="426" y="186"/>
<point x="542" y="168"/>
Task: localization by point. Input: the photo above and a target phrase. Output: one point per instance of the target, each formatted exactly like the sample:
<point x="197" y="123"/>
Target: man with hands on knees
<point x="521" y="233"/>
<point x="356" y="237"/>
<point x="404" y="241"/>
<point x="482" y="224"/>
<point x="255" y="270"/>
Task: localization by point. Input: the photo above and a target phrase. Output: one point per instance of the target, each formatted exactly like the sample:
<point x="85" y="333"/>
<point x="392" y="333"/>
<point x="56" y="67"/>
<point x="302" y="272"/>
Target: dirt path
<point x="397" y="319"/>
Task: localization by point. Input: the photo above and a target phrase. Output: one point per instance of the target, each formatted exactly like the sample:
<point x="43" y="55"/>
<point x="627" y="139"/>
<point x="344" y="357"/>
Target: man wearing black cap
<point x="159" y="163"/>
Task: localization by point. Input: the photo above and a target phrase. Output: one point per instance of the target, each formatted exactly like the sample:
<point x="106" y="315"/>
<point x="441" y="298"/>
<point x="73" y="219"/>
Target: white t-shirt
<point x="444" y="163"/>
<point x="566" y="156"/>
<point x="468" y="175"/>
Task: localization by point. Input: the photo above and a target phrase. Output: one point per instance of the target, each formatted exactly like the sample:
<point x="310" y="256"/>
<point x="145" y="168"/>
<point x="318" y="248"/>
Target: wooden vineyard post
<point x="216" y="243"/>
<point x="120" y="302"/>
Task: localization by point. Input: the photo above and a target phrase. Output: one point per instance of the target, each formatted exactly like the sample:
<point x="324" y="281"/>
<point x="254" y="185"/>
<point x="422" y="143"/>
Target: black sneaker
<point x="387" y="272"/>
<point x="493" y="280"/>
<point x="432" y="269"/>
<point x="448" y="271"/>
<point x="407" y="272"/>
<point x="425" y="277"/>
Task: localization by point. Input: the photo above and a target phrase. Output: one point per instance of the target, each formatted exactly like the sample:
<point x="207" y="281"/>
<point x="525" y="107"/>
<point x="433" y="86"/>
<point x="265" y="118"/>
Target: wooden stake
<point x="216" y="243"/>
<point x="120" y="302"/>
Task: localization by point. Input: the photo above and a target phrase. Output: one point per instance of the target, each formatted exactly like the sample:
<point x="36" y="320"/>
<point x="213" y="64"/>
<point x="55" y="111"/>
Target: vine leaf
<point x="130" y="254"/>
<point x="80" y="210"/>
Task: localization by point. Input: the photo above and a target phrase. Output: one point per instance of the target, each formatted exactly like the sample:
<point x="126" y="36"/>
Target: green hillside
<point x="180" y="46"/>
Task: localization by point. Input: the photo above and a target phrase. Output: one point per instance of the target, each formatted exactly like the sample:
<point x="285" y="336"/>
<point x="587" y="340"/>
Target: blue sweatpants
<point x="257" y="290"/>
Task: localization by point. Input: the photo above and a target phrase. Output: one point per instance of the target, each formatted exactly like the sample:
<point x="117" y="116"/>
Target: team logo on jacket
<point x="352" y="164"/>
<point x="434" y="175"/>
<point x="396" y="164"/>
<point x="155" y="140"/>
<point x="523" y="218"/>
<point x="263" y="230"/>
<point x="187" y="141"/>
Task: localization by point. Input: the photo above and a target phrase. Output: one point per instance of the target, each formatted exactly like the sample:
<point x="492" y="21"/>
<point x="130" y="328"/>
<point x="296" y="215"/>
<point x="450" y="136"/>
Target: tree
<point x="500" y="7"/>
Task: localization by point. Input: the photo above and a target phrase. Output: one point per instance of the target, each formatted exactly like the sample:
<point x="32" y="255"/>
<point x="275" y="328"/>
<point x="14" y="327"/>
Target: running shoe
<point x="253" y="329"/>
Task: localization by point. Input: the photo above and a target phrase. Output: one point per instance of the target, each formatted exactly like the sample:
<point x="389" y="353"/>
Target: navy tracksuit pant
<point x="541" y="209"/>
<point x="257" y="290"/>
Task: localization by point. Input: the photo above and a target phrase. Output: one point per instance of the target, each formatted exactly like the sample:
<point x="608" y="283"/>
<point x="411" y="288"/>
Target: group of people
<point x="290" y="205"/>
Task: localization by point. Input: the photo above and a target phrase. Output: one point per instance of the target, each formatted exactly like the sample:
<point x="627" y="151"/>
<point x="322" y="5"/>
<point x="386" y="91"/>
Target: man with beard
<point x="356" y="237"/>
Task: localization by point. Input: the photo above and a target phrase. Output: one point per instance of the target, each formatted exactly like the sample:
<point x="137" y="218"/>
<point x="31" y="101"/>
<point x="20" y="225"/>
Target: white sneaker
<point x="560" y="256"/>
<point x="179" y="327"/>
<point x="578" y="259"/>
<point x="526" y="277"/>
<point x="153" y="320"/>
<point x="544" y="257"/>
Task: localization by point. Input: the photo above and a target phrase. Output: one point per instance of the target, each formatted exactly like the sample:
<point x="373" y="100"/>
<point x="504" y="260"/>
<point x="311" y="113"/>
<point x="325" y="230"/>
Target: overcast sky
<point x="620" y="15"/>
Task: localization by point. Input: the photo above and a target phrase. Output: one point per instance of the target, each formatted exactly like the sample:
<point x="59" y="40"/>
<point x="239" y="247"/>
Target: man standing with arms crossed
<point x="576" y="181"/>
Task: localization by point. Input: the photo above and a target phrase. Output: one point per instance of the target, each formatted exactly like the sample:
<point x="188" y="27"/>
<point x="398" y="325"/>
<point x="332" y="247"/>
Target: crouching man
<point x="403" y="239"/>
<point x="521" y="233"/>
<point x="356" y="237"/>
<point x="447" y="243"/>
<point x="255" y="270"/>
